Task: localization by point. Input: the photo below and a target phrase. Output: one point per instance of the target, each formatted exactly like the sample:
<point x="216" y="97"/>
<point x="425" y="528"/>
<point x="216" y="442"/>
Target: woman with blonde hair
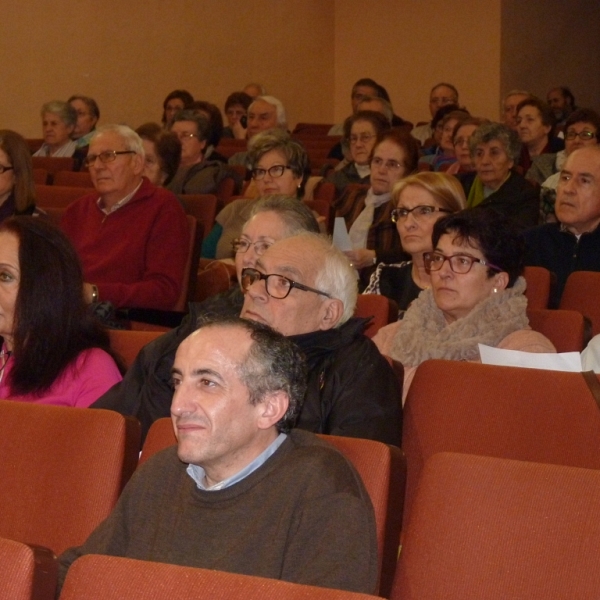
<point x="420" y="201"/>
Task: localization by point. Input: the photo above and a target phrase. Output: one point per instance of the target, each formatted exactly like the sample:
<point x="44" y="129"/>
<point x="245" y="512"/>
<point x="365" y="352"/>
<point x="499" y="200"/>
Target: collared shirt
<point x="120" y="203"/>
<point x="198" y="474"/>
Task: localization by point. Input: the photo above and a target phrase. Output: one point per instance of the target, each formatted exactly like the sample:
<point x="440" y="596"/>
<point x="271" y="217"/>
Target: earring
<point x="495" y="290"/>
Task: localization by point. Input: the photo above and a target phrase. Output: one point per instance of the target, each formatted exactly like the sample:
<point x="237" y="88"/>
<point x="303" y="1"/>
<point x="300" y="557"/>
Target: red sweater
<point x="135" y="255"/>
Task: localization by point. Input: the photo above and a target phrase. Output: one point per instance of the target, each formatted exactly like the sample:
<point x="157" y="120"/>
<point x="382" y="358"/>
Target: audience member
<point x="243" y="491"/>
<point x="196" y="174"/>
<point x="279" y="165"/>
<point x="363" y="88"/>
<point x="214" y="117"/>
<point x="476" y="298"/>
<point x="420" y="201"/>
<point x="361" y="131"/>
<point x="88" y="115"/>
<point x="162" y="153"/>
<point x="132" y="240"/>
<point x="495" y="184"/>
<point x="173" y="103"/>
<point x="581" y="129"/>
<point x="440" y="95"/>
<point x="463" y="130"/>
<point x="352" y="390"/>
<point x="266" y="112"/>
<point x="53" y="350"/>
<point x="368" y="212"/>
<point x="535" y="123"/>
<point x="562" y="103"/>
<point x="573" y="243"/>
<point x="254" y="90"/>
<point x="509" y="107"/>
<point x="444" y="155"/>
<point x="236" y="113"/>
<point x="58" y="124"/>
<point x="17" y="189"/>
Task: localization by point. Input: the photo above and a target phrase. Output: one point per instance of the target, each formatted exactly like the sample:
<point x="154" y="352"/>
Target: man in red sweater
<point x="132" y="237"/>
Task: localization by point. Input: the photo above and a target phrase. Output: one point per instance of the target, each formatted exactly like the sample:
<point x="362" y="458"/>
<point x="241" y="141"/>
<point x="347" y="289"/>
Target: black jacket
<point x="352" y="390"/>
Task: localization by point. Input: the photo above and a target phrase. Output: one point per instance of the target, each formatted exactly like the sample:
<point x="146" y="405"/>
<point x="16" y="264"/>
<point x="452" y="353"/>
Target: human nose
<point x="182" y="403"/>
<point x="257" y="290"/>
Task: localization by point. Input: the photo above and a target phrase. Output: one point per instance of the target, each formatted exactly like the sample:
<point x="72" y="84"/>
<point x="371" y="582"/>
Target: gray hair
<point x="294" y="213"/>
<point x="130" y="138"/>
<point x="515" y="93"/>
<point x="65" y="112"/>
<point x="278" y="139"/>
<point x="202" y="124"/>
<point x="388" y="111"/>
<point x="281" y="116"/>
<point x="336" y="276"/>
<point x="273" y="363"/>
<point x="489" y="132"/>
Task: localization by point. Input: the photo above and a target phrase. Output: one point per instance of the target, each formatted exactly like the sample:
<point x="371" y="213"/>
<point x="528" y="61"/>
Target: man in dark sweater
<point x="572" y="244"/>
<point x="242" y="493"/>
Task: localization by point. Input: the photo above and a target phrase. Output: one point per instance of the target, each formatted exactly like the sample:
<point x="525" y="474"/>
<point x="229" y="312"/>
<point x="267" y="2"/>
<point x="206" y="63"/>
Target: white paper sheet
<point x="565" y="361"/>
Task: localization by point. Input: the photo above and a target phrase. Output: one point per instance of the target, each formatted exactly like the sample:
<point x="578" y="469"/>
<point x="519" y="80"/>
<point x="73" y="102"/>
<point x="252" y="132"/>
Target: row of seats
<point x="545" y="418"/>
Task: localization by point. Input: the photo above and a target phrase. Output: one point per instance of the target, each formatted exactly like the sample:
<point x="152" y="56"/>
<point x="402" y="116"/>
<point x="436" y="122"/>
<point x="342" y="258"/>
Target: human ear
<point x="331" y="312"/>
<point x="501" y="280"/>
<point x="272" y="409"/>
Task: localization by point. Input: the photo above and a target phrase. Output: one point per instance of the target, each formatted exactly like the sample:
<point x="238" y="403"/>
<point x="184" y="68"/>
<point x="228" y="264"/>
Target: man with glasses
<point x="440" y="95"/>
<point x="195" y="175"/>
<point x="309" y="295"/>
<point x="573" y="243"/>
<point x="132" y="237"/>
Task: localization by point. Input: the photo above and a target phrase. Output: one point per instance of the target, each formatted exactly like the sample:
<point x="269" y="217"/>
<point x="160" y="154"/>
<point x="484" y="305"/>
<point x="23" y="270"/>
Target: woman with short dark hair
<point x="162" y="153"/>
<point x="53" y="350"/>
<point x="476" y="296"/>
<point x="176" y="101"/>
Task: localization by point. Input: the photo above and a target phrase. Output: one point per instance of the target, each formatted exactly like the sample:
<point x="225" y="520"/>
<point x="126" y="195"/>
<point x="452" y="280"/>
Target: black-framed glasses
<point x="582" y="135"/>
<point x="105" y="157"/>
<point x="391" y="165"/>
<point x="3" y="168"/>
<point x="277" y="286"/>
<point x="459" y="263"/>
<point x="274" y="171"/>
<point x="241" y="246"/>
<point x="418" y="212"/>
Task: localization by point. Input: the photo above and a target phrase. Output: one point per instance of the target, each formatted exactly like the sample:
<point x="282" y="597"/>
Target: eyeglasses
<point x="391" y="165"/>
<point x="277" y="286"/>
<point x="363" y="137"/>
<point x="459" y="263"/>
<point x="582" y="135"/>
<point x="184" y="135"/>
<point x="418" y="212"/>
<point x="3" y="168"/>
<point x="461" y="141"/>
<point x="241" y="246"/>
<point x="274" y="171"/>
<point x="105" y="157"/>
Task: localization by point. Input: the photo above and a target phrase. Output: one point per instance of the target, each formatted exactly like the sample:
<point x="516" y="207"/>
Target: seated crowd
<point x="441" y="219"/>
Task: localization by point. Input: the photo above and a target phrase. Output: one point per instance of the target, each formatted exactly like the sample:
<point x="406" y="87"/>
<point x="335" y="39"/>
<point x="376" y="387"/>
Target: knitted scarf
<point x="425" y="333"/>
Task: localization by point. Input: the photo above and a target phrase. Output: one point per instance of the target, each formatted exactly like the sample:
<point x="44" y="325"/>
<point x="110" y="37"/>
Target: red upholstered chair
<point x="493" y="528"/>
<point x="303" y="130"/>
<point x="203" y="207"/>
<point x="325" y="190"/>
<point x="213" y="277"/>
<point x="26" y="572"/>
<point x="381" y="467"/>
<point x="564" y="328"/>
<point x="538" y="287"/>
<point x="127" y="343"/>
<point x="40" y="176"/>
<point x="59" y="196"/>
<point x="507" y="412"/>
<point x="582" y="293"/>
<point x="190" y="271"/>
<point x="62" y="470"/>
<point x="323" y="209"/>
<point x="73" y="179"/>
<point x="94" y="577"/>
<point x="53" y="164"/>
<point x="382" y="309"/>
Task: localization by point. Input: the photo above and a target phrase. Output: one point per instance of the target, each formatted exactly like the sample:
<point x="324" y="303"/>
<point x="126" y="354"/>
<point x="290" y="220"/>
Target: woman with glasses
<point x="279" y="165"/>
<point x="53" y="350"/>
<point x="581" y="129"/>
<point x="461" y="136"/>
<point x="361" y="131"/>
<point x="494" y="183"/>
<point x="445" y="155"/>
<point x="420" y="201"/>
<point x="17" y="189"/>
<point x="476" y="296"/>
<point x="368" y="213"/>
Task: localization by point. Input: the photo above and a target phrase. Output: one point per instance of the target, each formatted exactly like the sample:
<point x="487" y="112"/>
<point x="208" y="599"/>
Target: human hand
<point x="359" y="259"/>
